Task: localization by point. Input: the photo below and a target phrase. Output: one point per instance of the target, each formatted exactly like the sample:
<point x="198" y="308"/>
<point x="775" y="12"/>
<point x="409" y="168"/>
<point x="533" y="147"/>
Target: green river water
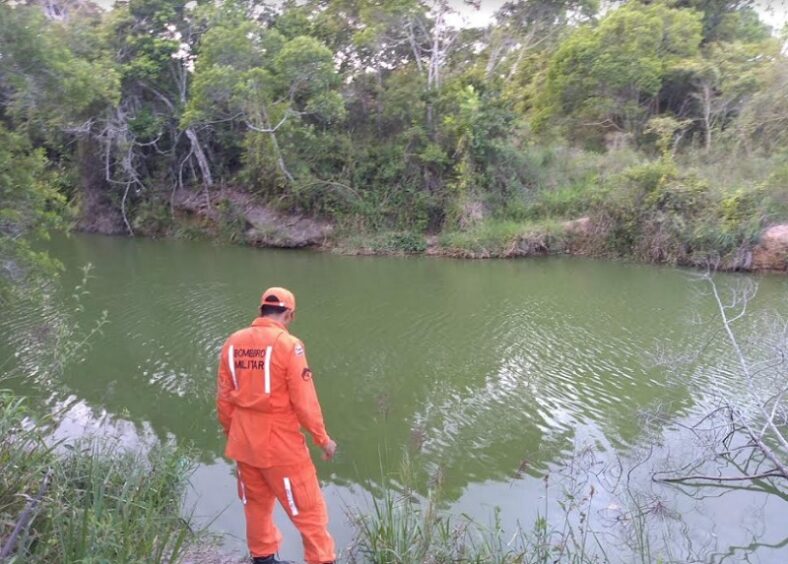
<point x="488" y="374"/>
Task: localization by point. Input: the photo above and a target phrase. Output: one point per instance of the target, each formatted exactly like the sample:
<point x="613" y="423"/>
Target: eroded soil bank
<point x="240" y="217"/>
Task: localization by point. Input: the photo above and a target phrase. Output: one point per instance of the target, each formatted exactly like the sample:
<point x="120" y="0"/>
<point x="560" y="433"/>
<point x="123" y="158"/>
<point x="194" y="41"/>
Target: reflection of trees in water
<point x="742" y="427"/>
<point x="45" y="334"/>
<point x="729" y="445"/>
<point x="521" y="418"/>
<point x="513" y="425"/>
<point x="733" y="444"/>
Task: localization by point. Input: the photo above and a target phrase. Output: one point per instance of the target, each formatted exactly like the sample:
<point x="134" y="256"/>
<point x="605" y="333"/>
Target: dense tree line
<point x="380" y="115"/>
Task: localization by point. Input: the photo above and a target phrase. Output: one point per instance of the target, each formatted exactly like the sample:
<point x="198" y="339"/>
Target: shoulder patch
<point x="299" y="349"/>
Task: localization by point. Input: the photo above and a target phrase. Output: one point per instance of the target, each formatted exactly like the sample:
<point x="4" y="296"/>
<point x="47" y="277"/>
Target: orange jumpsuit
<point x="265" y="395"/>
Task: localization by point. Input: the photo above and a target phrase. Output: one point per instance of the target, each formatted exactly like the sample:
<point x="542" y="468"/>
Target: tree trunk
<point x="706" y="101"/>
<point x="275" y="144"/>
<point x="202" y="160"/>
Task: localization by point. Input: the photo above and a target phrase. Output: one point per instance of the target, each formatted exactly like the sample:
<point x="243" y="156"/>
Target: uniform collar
<point x="267" y="322"/>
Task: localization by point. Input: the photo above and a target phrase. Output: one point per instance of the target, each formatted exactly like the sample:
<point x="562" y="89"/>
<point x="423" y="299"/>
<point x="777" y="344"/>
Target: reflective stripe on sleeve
<point x="268" y="369"/>
<point x="231" y="362"/>
<point x="290" y="500"/>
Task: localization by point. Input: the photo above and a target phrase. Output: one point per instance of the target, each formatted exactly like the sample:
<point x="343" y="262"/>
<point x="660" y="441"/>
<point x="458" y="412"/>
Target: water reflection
<point x="488" y="374"/>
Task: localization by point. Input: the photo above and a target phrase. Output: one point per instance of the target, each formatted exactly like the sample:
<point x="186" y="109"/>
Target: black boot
<point x="270" y="559"/>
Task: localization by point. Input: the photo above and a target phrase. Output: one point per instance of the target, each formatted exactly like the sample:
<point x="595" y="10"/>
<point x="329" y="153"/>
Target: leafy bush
<point x="406" y="242"/>
<point x="496" y="238"/>
<point x="152" y="218"/>
<point x="95" y="503"/>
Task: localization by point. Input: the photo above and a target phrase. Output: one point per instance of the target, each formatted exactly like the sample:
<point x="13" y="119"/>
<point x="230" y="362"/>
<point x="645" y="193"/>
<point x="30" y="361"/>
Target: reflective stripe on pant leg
<point x="241" y="487"/>
<point x="290" y="500"/>
<point x="268" y="351"/>
<point x="312" y="518"/>
<point x="297" y="484"/>
<point x="262" y="536"/>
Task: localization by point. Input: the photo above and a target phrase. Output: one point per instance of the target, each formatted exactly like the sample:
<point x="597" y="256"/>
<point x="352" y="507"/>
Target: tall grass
<point x="381" y="243"/>
<point x="401" y="528"/>
<point x="88" y="501"/>
<point x="93" y="503"/>
<point x="505" y="238"/>
<point x="398" y="530"/>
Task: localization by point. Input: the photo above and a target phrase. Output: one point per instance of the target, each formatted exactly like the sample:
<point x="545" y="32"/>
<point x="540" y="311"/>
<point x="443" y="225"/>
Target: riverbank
<point x="87" y="500"/>
<point x="577" y="237"/>
<point x="553" y="327"/>
<point x="665" y="224"/>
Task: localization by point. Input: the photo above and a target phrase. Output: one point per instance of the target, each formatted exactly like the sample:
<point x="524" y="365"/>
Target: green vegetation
<point x="388" y="242"/>
<point x="394" y="125"/>
<point x="495" y="239"/>
<point x="86" y="501"/>
<point x="401" y="527"/>
<point x="30" y="208"/>
<point x="654" y="130"/>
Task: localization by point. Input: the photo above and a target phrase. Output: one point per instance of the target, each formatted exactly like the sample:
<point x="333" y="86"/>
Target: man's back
<point x="266" y="395"/>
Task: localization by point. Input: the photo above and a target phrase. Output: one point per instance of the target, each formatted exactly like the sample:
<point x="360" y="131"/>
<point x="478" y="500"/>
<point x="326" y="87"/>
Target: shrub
<point x="153" y="217"/>
<point x="386" y="243"/>
<point x="95" y="503"/>
<point x="504" y="238"/>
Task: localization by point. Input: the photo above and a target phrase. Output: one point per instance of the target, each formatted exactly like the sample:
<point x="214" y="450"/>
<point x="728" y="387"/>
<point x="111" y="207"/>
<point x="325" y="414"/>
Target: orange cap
<point x="278" y="297"/>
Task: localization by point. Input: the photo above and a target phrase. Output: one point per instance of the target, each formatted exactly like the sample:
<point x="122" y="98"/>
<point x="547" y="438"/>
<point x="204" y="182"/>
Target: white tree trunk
<point x="199" y="154"/>
<point x="706" y="99"/>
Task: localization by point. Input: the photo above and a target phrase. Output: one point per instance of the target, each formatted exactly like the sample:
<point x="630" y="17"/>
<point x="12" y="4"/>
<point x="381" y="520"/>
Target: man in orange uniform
<point x="265" y="396"/>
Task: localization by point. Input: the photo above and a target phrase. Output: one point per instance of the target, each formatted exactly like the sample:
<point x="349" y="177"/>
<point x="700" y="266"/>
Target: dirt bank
<point x="261" y="225"/>
<point x="256" y="224"/>
<point x="771" y="253"/>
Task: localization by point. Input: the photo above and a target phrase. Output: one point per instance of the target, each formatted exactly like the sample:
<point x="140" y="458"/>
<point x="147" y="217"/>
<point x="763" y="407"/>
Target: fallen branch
<point x="25" y="517"/>
<point x="770" y="474"/>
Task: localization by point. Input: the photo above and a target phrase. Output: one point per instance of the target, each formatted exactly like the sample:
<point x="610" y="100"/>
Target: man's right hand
<point x="329" y="450"/>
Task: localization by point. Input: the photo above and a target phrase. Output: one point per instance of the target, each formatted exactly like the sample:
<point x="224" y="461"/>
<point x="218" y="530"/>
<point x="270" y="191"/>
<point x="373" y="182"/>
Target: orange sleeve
<point x="303" y="396"/>
<point x="224" y="385"/>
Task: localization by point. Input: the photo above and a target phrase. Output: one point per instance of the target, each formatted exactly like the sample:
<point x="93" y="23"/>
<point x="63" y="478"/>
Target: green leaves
<point x="305" y="66"/>
<point x="328" y="106"/>
<point x="43" y="82"/>
<point x="31" y="207"/>
<point x="241" y="69"/>
<point x="420" y="120"/>
<point x="612" y="72"/>
<point x="237" y="47"/>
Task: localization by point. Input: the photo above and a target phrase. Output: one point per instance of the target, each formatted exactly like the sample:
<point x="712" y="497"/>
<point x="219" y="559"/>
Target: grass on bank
<point x="687" y="209"/>
<point x="506" y="238"/>
<point x="402" y="527"/>
<point x="652" y="211"/>
<point x="382" y="243"/>
<point x="87" y="502"/>
<point x="401" y="530"/>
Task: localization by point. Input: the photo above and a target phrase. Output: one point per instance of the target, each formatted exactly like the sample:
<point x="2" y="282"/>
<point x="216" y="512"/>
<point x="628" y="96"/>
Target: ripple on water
<point x="541" y="388"/>
<point x="28" y="330"/>
<point x="188" y="334"/>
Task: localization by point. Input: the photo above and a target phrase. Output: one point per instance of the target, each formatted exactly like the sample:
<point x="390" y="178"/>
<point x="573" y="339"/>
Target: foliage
<point x="99" y="504"/>
<point x="387" y="118"/>
<point x="604" y="77"/>
<point x="655" y="213"/>
<point x="764" y="116"/>
<point x="31" y="207"/>
<point x="402" y="527"/>
<point x="45" y="82"/>
<point x="496" y="239"/>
